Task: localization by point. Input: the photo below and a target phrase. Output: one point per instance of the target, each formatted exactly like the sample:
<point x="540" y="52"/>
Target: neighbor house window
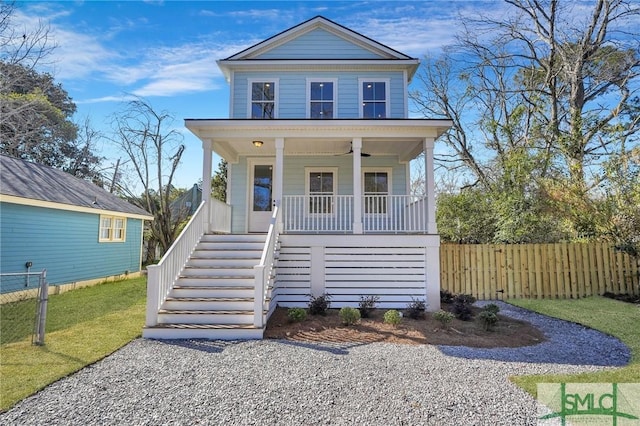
<point x="376" y="191"/>
<point x="112" y="228"/>
<point x="321" y="189"/>
<point x="374" y="96"/>
<point x="321" y="99"/>
<point x="263" y="99"/>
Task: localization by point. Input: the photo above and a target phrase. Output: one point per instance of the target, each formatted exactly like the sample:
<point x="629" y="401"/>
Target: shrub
<point x="446" y="296"/>
<point x="488" y="319"/>
<point x="392" y="317"/>
<point x="466" y="298"/>
<point x="492" y="307"/>
<point x="349" y="316"/>
<point x="296" y="314"/>
<point x="462" y="306"/>
<point x="415" y="309"/>
<point x="367" y="304"/>
<point x="318" y="305"/>
<point x="444" y="317"/>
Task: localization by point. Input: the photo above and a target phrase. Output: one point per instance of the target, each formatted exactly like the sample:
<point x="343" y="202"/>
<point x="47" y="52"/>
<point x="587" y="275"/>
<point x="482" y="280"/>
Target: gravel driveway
<point x="285" y="383"/>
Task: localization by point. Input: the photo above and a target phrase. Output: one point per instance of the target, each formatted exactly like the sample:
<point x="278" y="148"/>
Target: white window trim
<point x="307" y="189"/>
<point x="276" y="89"/>
<point x="387" y="94"/>
<point x="112" y="238"/>
<point x="389" y="172"/>
<point x="335" y="94"/>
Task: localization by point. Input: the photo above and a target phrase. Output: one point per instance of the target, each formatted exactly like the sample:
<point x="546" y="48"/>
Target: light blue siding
<point x="65" y="243"/>
<point x="292" y="96"/>
<point x="319" y="44"/>
<point x="294" y="172"/>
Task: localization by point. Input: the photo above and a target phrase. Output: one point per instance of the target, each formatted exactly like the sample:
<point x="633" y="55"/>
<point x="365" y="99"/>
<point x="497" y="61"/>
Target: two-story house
<point x="318" y="145"/>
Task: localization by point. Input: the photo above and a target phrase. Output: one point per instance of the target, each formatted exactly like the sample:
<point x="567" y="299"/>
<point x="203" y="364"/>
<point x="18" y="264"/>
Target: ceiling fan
<point x="362" y="154"/>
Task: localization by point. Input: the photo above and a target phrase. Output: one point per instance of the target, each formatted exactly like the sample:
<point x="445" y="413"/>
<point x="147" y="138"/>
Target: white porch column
<point x="279" y="178"/>
<point x="356" y="145"/>
<point x="430" y="186"/>
<point x="206" y="178"/>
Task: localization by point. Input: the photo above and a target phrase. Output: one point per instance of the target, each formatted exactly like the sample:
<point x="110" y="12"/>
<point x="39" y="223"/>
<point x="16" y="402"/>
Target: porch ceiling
<point x="233" y="138"/>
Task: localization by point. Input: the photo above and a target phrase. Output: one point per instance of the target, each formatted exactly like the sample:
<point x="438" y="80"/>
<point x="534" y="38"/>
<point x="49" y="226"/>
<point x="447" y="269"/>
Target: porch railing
<point x="161" y="277"/>
<point x="264" y="271"/>
<point x="219" y="217"/>
<point x="334" y="214"/>
<point x="318" y="213"/>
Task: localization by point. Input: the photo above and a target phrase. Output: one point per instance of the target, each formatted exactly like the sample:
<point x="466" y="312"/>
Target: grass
<point x="615" y="318"/>
<point x="83" y="326"/>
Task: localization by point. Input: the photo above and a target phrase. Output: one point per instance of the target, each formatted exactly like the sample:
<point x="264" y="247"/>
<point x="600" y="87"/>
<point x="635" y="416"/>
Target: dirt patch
<point x="629" y="298"/>
<point x="508" y="332"/>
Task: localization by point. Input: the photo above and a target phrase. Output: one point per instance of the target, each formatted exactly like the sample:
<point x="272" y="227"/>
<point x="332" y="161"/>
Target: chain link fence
<point x="23" y="307"/>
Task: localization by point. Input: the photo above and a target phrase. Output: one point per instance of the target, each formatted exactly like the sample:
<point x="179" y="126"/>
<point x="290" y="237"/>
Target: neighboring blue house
<point x="319" y="146"/>
<point x="78" y="232"/>
<point x="186" y="204"/>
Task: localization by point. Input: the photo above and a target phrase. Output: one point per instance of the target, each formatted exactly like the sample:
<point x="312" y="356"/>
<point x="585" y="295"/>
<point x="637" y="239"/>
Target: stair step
<point x="212" y="291"/>
<point x="208" y="281"/>
<point x="211" y="245"/>
<point x="202" y="316"/>
<point x="204" y="311"/>
<point x="208" y="326"/>
<point x="211" y="299"/>
<point x="217" y="304"/>
<point x="227" y="255"/>
<point x="203" y="331"/>
<point x="217" y="273"/>
<point x="252" y="238"/>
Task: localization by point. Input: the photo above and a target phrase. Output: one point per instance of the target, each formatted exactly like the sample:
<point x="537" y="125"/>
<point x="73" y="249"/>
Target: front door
<point x="260" y="196"/>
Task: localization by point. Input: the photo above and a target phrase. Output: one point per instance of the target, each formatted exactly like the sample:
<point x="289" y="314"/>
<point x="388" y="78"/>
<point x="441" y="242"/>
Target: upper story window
<point x="112" y="229"/>
<point x="263" y="99"/>
<point x="374" y="96"/>
<point x="321" y="97"/>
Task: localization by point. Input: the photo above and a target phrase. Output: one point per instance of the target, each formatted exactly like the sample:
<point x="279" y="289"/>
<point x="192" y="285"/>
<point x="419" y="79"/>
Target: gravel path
<point x="285" y="383"/>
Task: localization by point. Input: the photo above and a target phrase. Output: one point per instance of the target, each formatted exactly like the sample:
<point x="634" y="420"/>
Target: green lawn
<point x="618" y="319"/>
<point x="83" y="326"/>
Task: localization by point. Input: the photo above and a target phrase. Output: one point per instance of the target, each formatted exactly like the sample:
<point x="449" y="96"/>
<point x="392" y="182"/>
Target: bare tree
<point x="153" y="149"/>
<point x="24" y="46"/>
<point x="82" y="161"/>
<point x="540" y="98"/>
<point x="577" y="72"/>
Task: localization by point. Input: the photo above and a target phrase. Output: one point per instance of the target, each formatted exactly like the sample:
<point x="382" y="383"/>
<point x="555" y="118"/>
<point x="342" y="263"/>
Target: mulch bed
<point x="508" y="332"/>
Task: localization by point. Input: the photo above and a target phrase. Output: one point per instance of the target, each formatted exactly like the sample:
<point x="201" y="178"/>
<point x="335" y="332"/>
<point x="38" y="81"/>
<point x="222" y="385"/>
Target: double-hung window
<point x="321" y="189"/>
<point x="112" y="229"/>
<point x="263" y="99"/>
<point x="321" y="95"/>
<point x="374" y="97"/>
<point x="376" y="191"/>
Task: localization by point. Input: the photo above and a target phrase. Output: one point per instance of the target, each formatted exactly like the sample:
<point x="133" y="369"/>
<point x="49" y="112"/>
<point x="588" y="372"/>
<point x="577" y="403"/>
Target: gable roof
<point x="381" y="50"/>
<point x="31" y="181"/>
<point x="273" y="54"/>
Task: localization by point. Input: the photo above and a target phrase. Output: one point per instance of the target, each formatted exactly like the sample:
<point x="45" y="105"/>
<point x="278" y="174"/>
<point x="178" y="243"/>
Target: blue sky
<point x="165" y="51"/>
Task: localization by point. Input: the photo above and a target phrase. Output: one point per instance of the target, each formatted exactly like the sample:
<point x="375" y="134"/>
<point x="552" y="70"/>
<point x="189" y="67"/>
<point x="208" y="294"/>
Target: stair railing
<point x="161" y="277"/>
<point x="264" y="271"/>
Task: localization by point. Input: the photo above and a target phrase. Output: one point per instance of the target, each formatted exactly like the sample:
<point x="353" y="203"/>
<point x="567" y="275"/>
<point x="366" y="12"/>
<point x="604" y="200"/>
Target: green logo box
<point x="589" y="404"/>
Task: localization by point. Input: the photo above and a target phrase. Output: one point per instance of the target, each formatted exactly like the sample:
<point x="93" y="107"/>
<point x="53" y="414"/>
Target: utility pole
<point x="115" y="175"/>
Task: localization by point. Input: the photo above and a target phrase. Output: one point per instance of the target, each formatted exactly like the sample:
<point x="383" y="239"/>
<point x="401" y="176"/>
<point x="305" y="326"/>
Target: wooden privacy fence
<point x="549" y="271"/>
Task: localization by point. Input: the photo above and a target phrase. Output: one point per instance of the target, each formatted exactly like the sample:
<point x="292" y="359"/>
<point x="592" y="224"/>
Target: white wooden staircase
<point x="213" y="297"/>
